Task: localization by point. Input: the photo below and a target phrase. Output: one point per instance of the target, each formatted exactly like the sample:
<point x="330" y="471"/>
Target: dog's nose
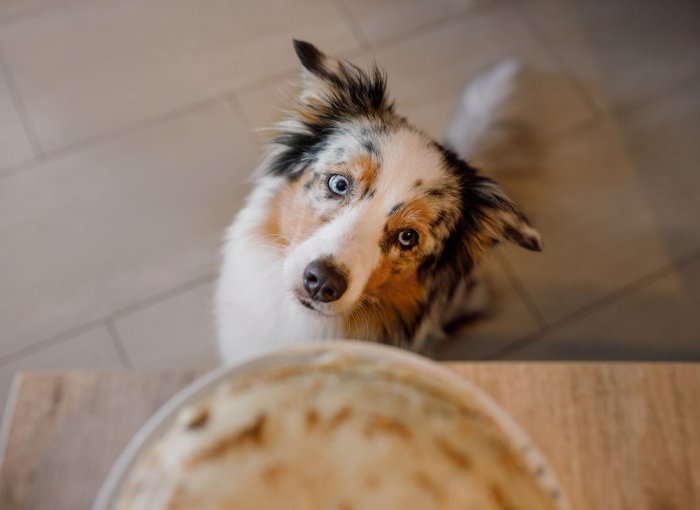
<point x="324" y="282"/>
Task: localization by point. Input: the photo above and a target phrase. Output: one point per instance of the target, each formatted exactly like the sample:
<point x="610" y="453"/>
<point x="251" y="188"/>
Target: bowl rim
<point x="166" y="415"/>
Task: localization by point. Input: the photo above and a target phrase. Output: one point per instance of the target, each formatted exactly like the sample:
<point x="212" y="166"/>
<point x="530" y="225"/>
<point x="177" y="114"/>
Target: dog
<point x="361" y="226"/>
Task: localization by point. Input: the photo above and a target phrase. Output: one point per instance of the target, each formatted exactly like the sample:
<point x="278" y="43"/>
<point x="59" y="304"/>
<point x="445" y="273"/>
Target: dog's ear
<point x="320" y="72"/>
<point x="314" y="60"/>
<point x="341" y="85"/>
<point x="499" y="219"/>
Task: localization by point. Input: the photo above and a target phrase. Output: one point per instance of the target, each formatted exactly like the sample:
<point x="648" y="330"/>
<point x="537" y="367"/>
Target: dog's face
<point x="374" y="212"/>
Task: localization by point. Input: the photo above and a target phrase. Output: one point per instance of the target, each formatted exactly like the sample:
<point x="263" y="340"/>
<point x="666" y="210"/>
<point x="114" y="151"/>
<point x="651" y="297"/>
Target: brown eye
<point x="408" y="238"/>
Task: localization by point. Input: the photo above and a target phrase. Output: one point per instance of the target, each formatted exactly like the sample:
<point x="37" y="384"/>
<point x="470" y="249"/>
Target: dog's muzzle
<point x="324" y="282"/>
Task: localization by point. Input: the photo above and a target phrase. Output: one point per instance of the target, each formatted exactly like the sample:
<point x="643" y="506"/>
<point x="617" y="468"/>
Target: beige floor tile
<point x="624" y="49"/>
<point x="382" y="20"/>
<point x="663" y="139"/>
<point x="264" y="106"/>
<point x="14" y="145"/>
<point x="657" y="322"/>
<point x="599" y="229"/>
<point x="93" y="67"/>
<point x="428" y="72"/>
<point x="508" y="320"/>
<point x="90" y="233"/>
<point x="93" y="349"/>
<point x="13" y="9"/>
<point x="178" y="332"/>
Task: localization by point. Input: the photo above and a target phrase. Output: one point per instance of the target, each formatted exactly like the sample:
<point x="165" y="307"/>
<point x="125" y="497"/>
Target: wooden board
<point x="67" y="430"/>
<point x="619" y="436"/>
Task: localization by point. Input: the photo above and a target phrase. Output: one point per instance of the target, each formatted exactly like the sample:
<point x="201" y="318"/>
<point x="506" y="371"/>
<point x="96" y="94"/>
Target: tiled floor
<point x="127" y="134"/>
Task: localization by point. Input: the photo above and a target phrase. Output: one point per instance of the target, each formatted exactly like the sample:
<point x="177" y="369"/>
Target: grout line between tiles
<point x="162" y="296"/>
<point x="598" y="110"/>
<point x="575" y="129"/>
<point x="238" y="91"/>
<point x="354" y="24"/>
<point x="528" y="339"/>
<point x="16" y="168"/>
<point x="140" y="125"/>
<point x="653" y="96"/>
<point x="118" y="343"/>
<point x="20" y="106"/>
<point x="428" y="27"/>
<point x="598" y="304"/>
<point x="235" y="103"/>
<point x="143" y="124"/>
<point x="7" y="417"/>
<point x="618" y="111"/>
<point x="263" y="82"/>
<point x="522" y="291"/>
<point x="112" y="317"/>
<point x="51" y="341"/>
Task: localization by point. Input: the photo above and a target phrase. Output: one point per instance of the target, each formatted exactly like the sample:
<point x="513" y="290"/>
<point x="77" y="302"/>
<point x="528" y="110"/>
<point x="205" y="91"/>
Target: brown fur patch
<point x="391" y="299"/>
<point x="482" y="239"/>
<point x="393" y="294"/>
<point x="366" y="171"/>
<point x="270" y="229"/>
<point x="422" y="211"/>
<point x="286" y="229"/>
<point x="307" y="114"/>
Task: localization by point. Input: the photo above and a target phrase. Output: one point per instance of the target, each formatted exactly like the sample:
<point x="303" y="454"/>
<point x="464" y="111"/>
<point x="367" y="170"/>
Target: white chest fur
<point x="256" y="313"/>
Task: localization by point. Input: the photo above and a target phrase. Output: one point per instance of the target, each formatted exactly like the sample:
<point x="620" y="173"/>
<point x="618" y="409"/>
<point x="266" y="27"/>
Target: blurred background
<point x="128" y="132"/>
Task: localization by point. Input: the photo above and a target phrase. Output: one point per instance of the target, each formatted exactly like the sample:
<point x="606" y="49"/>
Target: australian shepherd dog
<point x="361" y="226"/>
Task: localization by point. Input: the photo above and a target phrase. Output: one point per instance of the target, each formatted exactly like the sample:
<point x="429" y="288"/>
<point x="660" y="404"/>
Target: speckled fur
<point x="399" y="179"/>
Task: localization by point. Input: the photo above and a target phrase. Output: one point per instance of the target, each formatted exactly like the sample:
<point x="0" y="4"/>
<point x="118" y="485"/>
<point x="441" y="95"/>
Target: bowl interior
<point x="320" y="352"/>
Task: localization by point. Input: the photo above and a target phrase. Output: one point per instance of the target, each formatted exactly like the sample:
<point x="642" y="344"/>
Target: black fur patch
<point x="397" y="208"/>
<point x="370" y="147"/>
<point x="300" y="151"/>
<point x="384" y="242"/>
<point x="440" y="219"/>
<point x="368" y="194"/>
<point x="351" y="93"/>
<point x="311" y="182"/>
<point x="418" y="183"/>
<point x="517" y="237"/>
<point x="310" y="57"/>
<point x="453" y="261"/>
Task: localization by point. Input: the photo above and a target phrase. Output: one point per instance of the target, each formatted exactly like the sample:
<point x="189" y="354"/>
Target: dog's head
<point x="373" y="212"/>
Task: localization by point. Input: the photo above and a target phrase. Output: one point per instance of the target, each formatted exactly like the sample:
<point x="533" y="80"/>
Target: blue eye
<point x="339" y="184"/>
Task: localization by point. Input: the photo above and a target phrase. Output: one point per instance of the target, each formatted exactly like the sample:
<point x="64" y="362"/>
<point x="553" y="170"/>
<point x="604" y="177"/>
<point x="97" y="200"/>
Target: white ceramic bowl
<point x="307" y="354"/>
